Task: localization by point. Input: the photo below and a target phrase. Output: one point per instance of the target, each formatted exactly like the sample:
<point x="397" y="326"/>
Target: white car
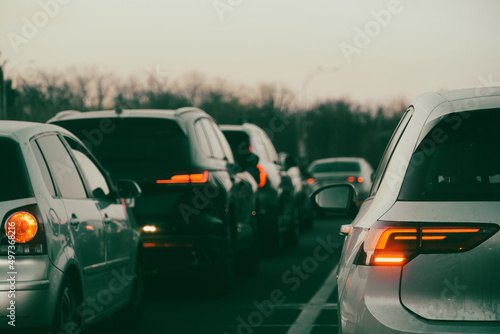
<point x="68" y="246"/>
<point x="423" y="253"/>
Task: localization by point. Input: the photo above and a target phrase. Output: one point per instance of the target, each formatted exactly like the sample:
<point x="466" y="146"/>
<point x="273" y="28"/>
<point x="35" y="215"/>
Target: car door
<point x="244" y="188"/>
<point x="117" y="229"/>
<point x="84" y="225"/>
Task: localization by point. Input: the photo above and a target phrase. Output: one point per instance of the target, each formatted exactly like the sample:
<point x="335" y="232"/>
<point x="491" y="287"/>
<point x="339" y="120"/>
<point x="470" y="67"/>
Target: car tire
<point x="292" y="235"/>
<point x="249" y="263"/>
<point x="131" y="316"/>
<point x="224" y="275"/>
<point x="67" y="319"/>
<point x="276" y="243"/>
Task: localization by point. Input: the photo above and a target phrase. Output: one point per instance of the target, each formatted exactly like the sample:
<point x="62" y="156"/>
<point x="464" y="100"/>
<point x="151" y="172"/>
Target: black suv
<point x="278" y="217"/>
<point x="197" y="211"/>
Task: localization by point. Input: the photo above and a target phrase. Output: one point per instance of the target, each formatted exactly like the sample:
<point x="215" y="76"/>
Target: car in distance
<point x="69" y="250"/>
<point x="341" y="170"/>
<point x="422" y="254"/>
<point x="197" y="210"/>
<point x="276" y="213"/>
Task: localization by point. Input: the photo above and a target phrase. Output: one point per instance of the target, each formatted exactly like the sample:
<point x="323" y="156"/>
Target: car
<point x="276" y="213"/>
<point x="340" y="170"/>
<point x="197" y="210"/>
<point x="302" y="190"/>
<point x="422" y="253"/>
<point x="69" y="248"/>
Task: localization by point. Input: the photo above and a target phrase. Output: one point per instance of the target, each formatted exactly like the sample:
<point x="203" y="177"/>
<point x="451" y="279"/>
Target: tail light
<point x="310" y="180"/>
<point x="23" y="232"/>
<point x="355" y="179"/>
<point x="186" y="178"/>
<point x="262" y="175"/>
<point x="396" y="244"/>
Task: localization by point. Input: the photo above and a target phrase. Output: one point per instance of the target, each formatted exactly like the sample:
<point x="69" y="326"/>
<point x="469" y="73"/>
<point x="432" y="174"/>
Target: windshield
<point x="14" y="183"/>
<point x="458" y="160"/>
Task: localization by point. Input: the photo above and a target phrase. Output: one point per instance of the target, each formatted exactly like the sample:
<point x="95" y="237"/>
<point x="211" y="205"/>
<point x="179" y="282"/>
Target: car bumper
<point x="182" y="255"/>
<point x="370" y="303"/>
<point x="35" y="299"/>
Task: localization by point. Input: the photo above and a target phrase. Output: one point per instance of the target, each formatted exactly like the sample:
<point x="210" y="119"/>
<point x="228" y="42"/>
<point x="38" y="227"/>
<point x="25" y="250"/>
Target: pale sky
<point x="421" y="45"/>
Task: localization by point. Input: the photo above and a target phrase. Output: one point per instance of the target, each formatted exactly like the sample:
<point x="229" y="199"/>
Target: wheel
<point x="67" y="319"/>
<point x="224" y="275"/>
<point x="132" y="314"/>
<point x="249" y="263"/>
<point x="292" y="234"/>
<point x="276" y="244"/>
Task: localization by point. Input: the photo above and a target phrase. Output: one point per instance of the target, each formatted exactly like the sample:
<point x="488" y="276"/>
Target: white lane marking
<point x="305" y="321"/>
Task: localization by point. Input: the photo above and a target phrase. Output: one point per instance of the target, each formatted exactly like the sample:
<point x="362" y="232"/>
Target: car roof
<point x="246" y="127"/>
<point x="444" y="102"/>
<point x="25" y="130"/>
<point x="346" y="159"/>
<point x="123" y="113"/>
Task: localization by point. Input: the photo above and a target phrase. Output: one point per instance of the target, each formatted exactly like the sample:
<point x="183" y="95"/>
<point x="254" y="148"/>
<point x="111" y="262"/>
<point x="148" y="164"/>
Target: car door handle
<point x="74" y="221"/>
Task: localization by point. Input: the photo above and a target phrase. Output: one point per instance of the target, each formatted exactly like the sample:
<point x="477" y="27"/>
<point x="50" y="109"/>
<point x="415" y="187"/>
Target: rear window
<point x="14" y="182"/>
<point x="458" y="160"/>
<point x="239" y="142"/>
<point x="134" y="146"/>
<point x="336" y="166"/>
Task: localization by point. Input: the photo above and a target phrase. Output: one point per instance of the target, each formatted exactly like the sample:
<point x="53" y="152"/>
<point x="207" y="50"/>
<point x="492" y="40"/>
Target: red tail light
<point x="396" y="244"/>
<point x="186" y="178"/>
<point x="355" y="179"/>
<point x="310" y="180"/>
<point x="262" y="175"/>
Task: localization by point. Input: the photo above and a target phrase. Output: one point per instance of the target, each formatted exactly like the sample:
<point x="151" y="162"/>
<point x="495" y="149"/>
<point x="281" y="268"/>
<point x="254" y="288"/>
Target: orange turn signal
<point x="22" y="225"/>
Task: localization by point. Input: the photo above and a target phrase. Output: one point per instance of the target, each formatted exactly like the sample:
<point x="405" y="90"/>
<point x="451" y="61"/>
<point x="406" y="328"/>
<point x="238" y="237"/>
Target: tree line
<point x="334" y="127"/>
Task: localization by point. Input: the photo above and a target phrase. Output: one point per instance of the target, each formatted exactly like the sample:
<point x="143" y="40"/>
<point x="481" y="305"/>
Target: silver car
<point x="356" y="171"/>
<point x="68" y="247"/>
<point x="423" y="253"/>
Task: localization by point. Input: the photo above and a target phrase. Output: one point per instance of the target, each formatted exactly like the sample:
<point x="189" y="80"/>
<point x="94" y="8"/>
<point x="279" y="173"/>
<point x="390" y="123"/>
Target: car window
<point x="239" y="143"/>
<point x="456" y="163"/>
<point x="97" y="182"/>
<point x="225" y="145"/>
<point x="43" y="169"/>
<point x="212" y="139"/>
<point x="61" y="166"/>
<point x="336" y="166"/>
<point x="202" y="138"/>
<point x="14" y="181"/>
<point x="390" y="149"/>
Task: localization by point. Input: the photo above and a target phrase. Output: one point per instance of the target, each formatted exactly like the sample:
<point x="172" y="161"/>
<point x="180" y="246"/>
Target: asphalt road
<point x="293" y="293"/>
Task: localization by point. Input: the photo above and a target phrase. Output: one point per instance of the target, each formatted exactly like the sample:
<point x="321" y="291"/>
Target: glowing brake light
<point x="389" y="244"/>
<point x="310" y="180"/>
<point x="355" y="179"/>
<point x="262" y="175"/>
<point x="186" y="178"/>
<point x="22" y="226"/>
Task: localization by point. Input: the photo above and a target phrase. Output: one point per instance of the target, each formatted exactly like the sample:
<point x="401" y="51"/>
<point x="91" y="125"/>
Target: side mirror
<point x="336" y="198"/>
<point x="128" y="189"/>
